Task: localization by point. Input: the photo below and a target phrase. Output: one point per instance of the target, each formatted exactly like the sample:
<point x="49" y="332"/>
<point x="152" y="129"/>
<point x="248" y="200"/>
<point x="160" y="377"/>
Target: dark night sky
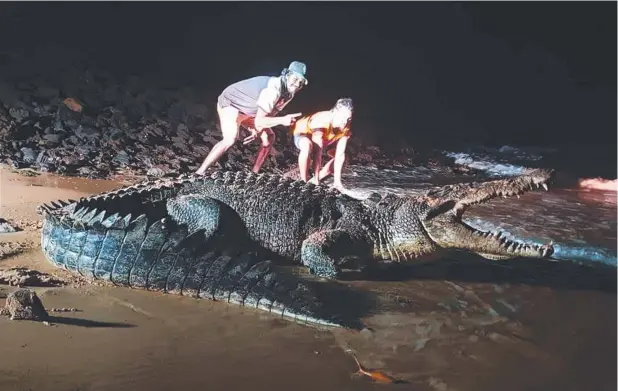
<point x="528" y="72"/>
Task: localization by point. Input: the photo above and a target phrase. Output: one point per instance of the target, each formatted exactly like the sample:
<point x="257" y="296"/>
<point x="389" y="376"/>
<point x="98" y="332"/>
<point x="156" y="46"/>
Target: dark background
<point x="525" y="73"/>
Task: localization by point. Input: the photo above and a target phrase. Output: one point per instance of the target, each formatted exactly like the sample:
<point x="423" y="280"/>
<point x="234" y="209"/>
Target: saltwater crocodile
<point x="175" y="235"/>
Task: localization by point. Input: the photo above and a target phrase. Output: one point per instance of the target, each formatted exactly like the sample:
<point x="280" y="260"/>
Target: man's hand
<point x="254" y="134"/>
<point x="289" y="119"/>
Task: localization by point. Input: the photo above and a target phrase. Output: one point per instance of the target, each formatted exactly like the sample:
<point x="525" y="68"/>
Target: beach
<point x="432" y="332"/>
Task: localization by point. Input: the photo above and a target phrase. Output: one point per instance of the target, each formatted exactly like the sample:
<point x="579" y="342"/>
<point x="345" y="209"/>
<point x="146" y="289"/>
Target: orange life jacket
<point x="302" y="127"/>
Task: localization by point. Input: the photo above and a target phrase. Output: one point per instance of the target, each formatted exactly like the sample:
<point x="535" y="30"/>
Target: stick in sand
<point x="377" y="376"/>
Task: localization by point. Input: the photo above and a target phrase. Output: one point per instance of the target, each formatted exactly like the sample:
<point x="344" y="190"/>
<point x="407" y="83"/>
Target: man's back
<point x="243" y="95"/>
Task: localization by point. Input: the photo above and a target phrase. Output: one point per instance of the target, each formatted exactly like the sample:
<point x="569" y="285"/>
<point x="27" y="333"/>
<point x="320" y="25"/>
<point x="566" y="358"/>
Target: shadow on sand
<point x="344" y="304"/>
<point x="349" y="304"/>
<point x="559" y="275"/>
<point x="86" y="323"/>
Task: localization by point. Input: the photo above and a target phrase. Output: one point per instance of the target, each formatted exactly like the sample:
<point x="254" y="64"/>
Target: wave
<point x="503" y="161"/>
<point x="512" y="161"/>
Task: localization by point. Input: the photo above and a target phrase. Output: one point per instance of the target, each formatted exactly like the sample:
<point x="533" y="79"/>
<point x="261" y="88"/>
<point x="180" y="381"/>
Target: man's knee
<point x="228" y="118"/>
<point x="268" y="137"/>
<point x="305" y="146"/>
<point x="229" y="130"/>
<point x="227" y="142"/>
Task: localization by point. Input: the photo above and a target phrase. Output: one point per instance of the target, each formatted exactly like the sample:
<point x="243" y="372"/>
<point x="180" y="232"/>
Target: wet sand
<point x="449" y="326"/>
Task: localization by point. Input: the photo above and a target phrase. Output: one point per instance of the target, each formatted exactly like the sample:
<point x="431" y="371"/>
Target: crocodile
<point x="227" y="236"/>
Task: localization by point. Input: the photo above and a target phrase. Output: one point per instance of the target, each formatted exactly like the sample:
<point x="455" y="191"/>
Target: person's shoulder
<point x="254" y="79"/>
<point x="274" y="82"/>
<point x="321" y="119"/>
<point x="322" y="115"/>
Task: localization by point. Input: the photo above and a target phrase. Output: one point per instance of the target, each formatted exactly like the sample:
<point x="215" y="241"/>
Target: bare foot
<point x="340" y="187"/>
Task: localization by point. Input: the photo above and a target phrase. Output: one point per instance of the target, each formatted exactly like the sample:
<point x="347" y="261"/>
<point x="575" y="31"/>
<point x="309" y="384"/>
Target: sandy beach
<point x="431" y="332"/>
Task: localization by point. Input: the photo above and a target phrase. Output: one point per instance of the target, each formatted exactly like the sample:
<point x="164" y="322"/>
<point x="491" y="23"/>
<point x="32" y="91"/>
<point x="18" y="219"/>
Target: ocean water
<point x="580" y="221"/>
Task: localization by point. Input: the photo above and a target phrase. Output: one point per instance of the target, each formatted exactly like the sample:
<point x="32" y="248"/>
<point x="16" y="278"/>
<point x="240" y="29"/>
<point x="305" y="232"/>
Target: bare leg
<point x="317" y="163"/>
<point x="229" y="128"/>
<point x="326" y="170"/>
<point x="303" y="157"/>
<point x="268" y="138"/>
<point x="215" y="154"/>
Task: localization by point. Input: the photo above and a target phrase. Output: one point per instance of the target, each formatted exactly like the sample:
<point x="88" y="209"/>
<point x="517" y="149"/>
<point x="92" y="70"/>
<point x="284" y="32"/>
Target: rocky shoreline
<point x="88" y="123"/>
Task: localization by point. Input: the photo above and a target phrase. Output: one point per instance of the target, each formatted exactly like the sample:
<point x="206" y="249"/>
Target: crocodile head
<point x="443" y="220"/>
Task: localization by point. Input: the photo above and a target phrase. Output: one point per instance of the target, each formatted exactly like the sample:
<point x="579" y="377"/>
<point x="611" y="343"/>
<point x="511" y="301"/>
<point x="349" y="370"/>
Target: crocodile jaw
<point x="448" y="230"/>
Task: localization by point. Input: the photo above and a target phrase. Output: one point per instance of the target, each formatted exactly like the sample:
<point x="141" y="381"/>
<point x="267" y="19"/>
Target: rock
<point x="28" y="155"/>
<point x="8" y="249"/>
<point x="6" y="227"/>
<point x="122" y="158"/>
<point x="87" y="171"/>
<point x="87" y="133"/>
<point x="21" y="276"/>
<point x="18" y="113"/>
<point x="155" y="172"/>
<point x="182" y="131"/>
<point x="293" y="173"/>
<point x="24" y="304"/>
<point x="54" y="138"/>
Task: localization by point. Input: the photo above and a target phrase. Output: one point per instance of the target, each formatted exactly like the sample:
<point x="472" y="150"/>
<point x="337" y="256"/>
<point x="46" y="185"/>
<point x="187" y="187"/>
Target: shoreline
<point x="429" y="331"/>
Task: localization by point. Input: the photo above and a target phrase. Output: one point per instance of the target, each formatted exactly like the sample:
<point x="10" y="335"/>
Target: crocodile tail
<point x="161" y="256"/>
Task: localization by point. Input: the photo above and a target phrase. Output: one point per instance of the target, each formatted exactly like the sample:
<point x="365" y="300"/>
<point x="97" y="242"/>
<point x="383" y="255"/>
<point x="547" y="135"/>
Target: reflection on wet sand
<point x="599" y="184"/>
<point x="457" y="324"/>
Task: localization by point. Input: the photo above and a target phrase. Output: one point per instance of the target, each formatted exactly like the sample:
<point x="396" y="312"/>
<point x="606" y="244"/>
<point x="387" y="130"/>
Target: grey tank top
<point x="243" y="95"/>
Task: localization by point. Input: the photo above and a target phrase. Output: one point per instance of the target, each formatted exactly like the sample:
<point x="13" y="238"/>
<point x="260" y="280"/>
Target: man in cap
<point x="253" y="104"/>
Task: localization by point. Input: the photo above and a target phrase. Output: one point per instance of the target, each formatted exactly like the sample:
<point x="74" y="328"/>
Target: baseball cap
<point x="299" y="69"/>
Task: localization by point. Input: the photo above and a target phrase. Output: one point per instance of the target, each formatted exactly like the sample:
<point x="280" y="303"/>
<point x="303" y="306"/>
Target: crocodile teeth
<point x="545" y="187"/>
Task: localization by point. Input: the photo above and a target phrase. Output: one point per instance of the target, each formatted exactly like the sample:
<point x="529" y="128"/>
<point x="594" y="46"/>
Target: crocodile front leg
<point x="326" y="251"/>
<point x="213" y="217"/>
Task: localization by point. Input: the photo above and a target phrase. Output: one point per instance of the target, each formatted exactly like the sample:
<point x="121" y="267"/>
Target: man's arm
<point x="266" y="105"/>
<point x="339" y="160"/>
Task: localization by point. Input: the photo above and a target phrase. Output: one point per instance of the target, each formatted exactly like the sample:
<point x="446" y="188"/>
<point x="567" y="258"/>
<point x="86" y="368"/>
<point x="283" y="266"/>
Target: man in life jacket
<point x="253" y="104"/>
<point x="319" y="131"/>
